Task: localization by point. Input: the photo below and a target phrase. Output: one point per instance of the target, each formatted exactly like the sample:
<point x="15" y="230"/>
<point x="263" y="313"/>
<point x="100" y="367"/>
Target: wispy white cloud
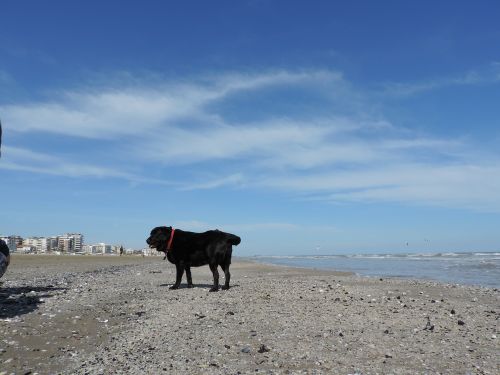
<point x="334" y="157"/>
<point x="490" y="75"/>
<point x="212" y="183"/>
<point x="230" y="141"/>
<point x="463" y="186"/>
<point x="19" y="159"/>
<point x="106" y="113"/>
<point x="197" y="225"/>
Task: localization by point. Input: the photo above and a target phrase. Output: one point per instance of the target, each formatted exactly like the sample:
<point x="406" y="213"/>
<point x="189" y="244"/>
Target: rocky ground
<point x="116" y="315"/>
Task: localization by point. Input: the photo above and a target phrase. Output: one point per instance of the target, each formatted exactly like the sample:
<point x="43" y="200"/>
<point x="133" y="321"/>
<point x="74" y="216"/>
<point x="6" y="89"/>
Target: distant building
<point x="150" y="252"/>
<point x="38" y="243"/>
<point x="87" y="249"/>
<point x="70" y="243"/>
<point x="26" y="249"/>
<point x="102" y="248"/>
<point x="52" y="243"/>
<point x="64" y="244"/>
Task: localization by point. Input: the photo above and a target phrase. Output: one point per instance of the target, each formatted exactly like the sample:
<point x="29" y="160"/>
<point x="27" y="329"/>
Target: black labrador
<point x="189" y="249"/>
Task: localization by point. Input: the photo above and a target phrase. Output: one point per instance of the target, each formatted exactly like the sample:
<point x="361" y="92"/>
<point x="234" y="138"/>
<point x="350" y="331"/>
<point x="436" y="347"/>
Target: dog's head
<point x="159" y="238"/>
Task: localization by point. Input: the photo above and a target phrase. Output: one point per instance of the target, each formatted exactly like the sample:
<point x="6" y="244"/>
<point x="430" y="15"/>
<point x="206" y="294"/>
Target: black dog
<point x="188" y="249"/>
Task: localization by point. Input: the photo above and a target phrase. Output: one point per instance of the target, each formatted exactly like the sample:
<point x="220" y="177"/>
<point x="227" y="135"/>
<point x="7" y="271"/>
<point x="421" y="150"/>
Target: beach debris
<point x="461" y="322"/>
<point x="452" y="312"/>
<point x="263" y="349"/>
<point x="246" y="349"/>
<point x="429" y="326"/>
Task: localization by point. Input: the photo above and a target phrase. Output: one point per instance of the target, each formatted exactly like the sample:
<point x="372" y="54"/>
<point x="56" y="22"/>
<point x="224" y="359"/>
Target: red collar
<point x="169" y="244"/>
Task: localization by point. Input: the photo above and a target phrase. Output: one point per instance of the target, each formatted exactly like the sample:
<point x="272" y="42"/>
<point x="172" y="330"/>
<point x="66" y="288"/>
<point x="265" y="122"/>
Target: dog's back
<point x="199" y="249"/>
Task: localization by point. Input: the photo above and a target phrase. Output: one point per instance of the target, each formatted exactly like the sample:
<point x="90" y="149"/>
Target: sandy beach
<point x="116" y="315"/>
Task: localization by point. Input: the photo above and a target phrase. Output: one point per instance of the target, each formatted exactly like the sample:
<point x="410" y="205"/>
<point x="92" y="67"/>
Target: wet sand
<point x="116" y="315"/>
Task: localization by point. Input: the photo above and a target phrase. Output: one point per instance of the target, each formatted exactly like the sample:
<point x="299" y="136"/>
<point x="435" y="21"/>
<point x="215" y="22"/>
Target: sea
<point x="469" y="268"/>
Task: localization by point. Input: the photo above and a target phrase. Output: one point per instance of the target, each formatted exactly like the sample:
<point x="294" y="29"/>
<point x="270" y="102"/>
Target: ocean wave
<point x="483" y="265"/>
<point x="441" y="256"/>
<point x="456" y="267"/>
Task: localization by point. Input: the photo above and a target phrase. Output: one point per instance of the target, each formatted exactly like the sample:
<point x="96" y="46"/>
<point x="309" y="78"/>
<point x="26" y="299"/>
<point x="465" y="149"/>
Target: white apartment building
<point x="87" y="249"/>
<point x="102" y="248"/>
<point x="150" y="252"/>
<point x="26" y="249"/>
<point x="70" y="243"/>
<point x="38" y="243"/>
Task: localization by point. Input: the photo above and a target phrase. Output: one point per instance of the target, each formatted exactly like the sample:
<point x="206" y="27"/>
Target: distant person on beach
<point x="4" y="257"/>
<point x="121" y="250"/>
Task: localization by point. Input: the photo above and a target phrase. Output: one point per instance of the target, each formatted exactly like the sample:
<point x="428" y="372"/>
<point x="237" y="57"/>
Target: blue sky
<point x="304" y="127"/>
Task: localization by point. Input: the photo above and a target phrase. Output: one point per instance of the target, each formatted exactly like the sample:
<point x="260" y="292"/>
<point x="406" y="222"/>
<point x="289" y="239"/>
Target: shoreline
<point x="375" y="278"/>
<point x="256" y="260"/>
<point x="117" y="315"/>
<point x="444" y="272"/>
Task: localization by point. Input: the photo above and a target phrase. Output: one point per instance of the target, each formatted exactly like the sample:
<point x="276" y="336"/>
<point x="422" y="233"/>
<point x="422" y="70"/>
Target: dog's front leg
<point x="178" y="277"/>
<point x="215" y="273"/>
<point x="188" y="277"/>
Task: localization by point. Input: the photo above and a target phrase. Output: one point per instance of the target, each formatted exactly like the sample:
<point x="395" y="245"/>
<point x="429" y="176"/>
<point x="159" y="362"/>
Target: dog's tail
<point x="232" y="239"/>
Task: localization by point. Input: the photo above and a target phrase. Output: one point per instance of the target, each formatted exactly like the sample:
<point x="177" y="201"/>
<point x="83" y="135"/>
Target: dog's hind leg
<point x="225" y="266"/>
<point x="178" y="277"/>
<point x="227" y="275"/>
<point x="188" y="276"/>
<point x="215" y="273"/>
